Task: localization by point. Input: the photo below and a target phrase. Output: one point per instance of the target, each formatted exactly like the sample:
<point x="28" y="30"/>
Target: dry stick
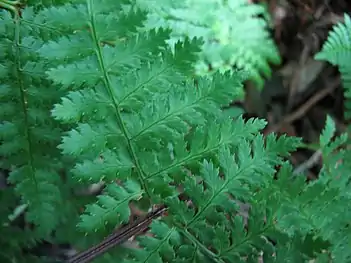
<point x="117" y="238"/>
<point x="305" y="107"/>
<point x="293" y="87"/>
<point x="309" y="163"/>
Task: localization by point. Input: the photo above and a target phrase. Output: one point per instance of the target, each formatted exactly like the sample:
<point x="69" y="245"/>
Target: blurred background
<point x="302" y="90"/>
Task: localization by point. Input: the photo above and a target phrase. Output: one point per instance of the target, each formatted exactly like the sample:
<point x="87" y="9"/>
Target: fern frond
<point x="317" y="211"/>
<point x="337" y="51"/>
<point x="112" y="207"/>
<point x="223" y="28"/>
<point x="30" y="138"/>
<point x="136" y="116"/>
<point x="208" y="224"/>
<point x="106" y="98"/>
<point x="334" y="176"/>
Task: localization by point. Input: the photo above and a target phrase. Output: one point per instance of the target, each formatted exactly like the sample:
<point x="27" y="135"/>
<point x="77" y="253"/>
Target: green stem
<point x="11" y="6"/>
<point x="119" y="119"/>
<point x="24" y="99"/>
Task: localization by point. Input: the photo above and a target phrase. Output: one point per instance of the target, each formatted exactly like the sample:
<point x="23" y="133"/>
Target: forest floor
<point x="302" y="91"/>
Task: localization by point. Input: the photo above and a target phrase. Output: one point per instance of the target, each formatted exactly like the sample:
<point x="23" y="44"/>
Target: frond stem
<point x="23" y="99"/>
<point x="201" y="247"/>
<point x="108" y="85"/>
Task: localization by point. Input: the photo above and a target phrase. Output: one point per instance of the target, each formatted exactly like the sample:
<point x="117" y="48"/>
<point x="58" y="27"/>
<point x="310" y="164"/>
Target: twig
<point x="117" y="238"/>
<point x="304" y="108"/>
<point x="308" y="164"/>
<point x="19" y="210"/>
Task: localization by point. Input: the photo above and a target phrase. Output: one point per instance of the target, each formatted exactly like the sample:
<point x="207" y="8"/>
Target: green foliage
<point x="337" y="51"/>
<point x="29" y="135"/>
<point x="90" y="95"/>
<point x="321" y="208"/>
<point x="13" y="238"/>
<point x="234" y="33"/>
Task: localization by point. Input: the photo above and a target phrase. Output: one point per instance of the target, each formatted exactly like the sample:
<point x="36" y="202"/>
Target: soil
<point x="301" y="91"/>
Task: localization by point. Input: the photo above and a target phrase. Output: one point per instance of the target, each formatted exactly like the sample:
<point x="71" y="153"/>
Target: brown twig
<point x="315" y="158"/>
<point x="117" y="238"/>
<point x="304" y="108"/>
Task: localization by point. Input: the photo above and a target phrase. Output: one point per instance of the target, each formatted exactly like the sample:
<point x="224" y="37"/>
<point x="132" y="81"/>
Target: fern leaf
<point x="337" y="51"/>
<point x="112" y="207"/>
<point x="28" y="96"/>
<point x="223" y="31"/>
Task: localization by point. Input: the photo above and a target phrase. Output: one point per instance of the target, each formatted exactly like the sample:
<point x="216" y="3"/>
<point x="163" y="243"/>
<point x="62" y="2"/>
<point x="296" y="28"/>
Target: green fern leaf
<point x="29" y="135"/>
<point x="337" y="51"/>
<point x="226" y="42"/>
<point x="112" y="207"/>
